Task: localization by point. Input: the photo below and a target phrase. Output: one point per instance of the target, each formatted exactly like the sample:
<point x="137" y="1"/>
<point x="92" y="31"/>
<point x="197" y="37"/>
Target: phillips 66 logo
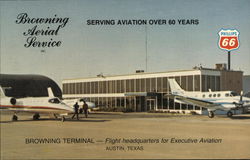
<point x="229" y="39"/>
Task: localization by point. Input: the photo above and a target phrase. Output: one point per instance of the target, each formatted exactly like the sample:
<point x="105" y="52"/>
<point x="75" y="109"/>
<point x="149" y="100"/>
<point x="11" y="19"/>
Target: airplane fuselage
<point x="35" y="105"/>
<point x="227" y="99"/>
<point x="218" y="100"/>
<point x="71" y="102"/>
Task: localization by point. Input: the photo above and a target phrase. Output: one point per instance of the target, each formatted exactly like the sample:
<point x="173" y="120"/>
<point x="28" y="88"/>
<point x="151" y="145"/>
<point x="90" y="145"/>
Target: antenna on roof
<point x="146" y="47"/>
<point x="100" y="75"/>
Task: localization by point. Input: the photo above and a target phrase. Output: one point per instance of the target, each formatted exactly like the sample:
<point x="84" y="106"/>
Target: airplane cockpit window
<point x="232" y="94"/>
<point x="54" y="100"/>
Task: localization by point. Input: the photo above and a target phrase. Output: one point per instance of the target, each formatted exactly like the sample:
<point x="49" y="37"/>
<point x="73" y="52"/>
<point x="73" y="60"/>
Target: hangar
<point x="145" y="91"/>
<point x="20" y="85"/>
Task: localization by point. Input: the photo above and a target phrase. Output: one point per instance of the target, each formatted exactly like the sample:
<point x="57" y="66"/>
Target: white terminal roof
<point x="212" y="72"/>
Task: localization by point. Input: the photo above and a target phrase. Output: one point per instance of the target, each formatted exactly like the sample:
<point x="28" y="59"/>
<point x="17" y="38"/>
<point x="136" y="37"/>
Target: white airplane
<point x="49" y="105"/>
<point x="219" y="100"/>
<point x="80" y="101"/>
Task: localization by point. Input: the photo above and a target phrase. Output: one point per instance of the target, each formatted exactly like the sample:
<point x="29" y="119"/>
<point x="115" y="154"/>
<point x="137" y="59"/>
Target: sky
<point x="88" y="50"/>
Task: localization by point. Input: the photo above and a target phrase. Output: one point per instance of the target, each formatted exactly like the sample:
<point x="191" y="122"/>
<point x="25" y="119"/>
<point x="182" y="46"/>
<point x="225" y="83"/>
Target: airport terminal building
<point x="142" y="92"/>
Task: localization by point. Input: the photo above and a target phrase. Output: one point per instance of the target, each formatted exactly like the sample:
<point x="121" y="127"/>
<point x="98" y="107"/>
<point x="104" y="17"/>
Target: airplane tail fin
<point x="2" y="94"/>
<point x="175" y="87"/>
<point x="50" y="92"/>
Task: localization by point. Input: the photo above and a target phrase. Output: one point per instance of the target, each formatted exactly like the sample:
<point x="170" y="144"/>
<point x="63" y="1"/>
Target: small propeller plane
<point x="48" y="105"/>
<point x="212" y="101"/>
<point x="80" y="101"/>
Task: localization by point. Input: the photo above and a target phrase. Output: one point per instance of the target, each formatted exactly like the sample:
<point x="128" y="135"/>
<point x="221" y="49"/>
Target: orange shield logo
<point x="228" y="39"/>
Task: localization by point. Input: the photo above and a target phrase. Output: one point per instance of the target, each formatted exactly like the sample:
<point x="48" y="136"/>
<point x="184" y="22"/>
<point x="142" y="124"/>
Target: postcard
<point x="125" y="79"/>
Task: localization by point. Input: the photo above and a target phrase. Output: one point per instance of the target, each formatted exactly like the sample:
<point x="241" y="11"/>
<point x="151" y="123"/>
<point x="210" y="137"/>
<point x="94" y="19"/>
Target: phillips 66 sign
<point x="229" y="39"/>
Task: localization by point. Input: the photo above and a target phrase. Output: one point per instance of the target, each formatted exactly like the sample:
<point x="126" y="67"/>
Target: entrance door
<point x="141" y="104"/>
<point x="151" y="104"/>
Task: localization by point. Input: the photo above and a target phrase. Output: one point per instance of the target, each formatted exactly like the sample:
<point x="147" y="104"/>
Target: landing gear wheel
<point x="14" y="118"/>
<point x="63" y="118"/>
<point x="36" y="117"/>
<point x="229" y="114"/>
<point x="211" y="114"/>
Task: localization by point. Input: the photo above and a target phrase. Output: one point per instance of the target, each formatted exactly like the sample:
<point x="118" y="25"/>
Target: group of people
<point x="85" y="108"/>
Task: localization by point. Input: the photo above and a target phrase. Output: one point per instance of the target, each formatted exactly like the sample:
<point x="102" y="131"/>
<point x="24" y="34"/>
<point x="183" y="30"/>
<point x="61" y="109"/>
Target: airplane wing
<point x="198" y="102"/>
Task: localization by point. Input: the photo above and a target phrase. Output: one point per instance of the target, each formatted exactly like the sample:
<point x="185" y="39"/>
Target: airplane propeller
<point x="241" y="95"/>
<point x="241" y="102"/>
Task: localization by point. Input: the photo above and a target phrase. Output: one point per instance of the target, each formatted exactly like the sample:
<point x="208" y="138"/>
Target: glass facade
<point x="112" y="93"/>
<point x="210" y="82"/>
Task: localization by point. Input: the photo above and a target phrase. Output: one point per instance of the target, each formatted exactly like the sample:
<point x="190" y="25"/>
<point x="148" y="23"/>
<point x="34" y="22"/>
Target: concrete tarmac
<point x="126" y="136"/>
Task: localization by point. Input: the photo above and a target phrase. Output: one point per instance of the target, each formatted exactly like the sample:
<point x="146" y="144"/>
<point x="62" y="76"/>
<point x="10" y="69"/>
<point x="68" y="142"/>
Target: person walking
<point x="76" y="107"/>
<point x="85" y="108"/>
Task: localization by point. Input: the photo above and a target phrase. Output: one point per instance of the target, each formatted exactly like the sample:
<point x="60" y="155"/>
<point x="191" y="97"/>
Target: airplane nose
<point x="69" y="108"/>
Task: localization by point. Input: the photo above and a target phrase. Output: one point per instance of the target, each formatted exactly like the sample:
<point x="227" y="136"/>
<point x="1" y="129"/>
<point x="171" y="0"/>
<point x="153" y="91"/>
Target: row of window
<point x="210" y="82"/>
<point x="231" y="94"/>
<point x="159" y="84"/>
<point x="140" y="103"/>
<point x="212" y="95"/>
